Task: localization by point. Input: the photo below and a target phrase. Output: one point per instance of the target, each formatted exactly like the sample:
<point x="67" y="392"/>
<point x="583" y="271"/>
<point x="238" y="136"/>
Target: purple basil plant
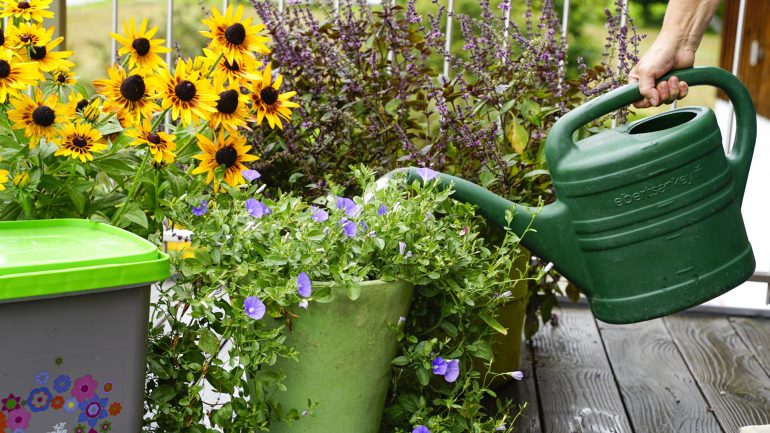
<point x="373" y="92"/>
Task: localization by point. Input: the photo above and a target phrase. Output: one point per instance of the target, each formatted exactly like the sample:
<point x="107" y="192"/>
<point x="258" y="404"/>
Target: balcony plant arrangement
<point x="295" y="315"/>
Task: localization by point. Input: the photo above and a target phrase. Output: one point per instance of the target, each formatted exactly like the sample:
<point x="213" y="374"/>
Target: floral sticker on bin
<point x="84" y="388"/>
<point x="42" y="378"/>
<point x="93" y="410"/>
<point x="39" y="399"/>
<point x="62" y="383"/>
<point x="10" y="403"/>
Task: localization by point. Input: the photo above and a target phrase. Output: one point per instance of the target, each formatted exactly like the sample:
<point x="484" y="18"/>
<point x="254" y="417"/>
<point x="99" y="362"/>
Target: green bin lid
<point x="57" y="257"/>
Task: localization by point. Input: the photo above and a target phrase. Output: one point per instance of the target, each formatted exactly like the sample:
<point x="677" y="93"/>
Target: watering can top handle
<point x="560" y="140"/>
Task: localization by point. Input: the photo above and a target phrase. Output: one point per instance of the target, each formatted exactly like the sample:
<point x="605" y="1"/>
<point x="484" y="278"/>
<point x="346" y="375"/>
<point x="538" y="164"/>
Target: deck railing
<point x="59" y="6"/>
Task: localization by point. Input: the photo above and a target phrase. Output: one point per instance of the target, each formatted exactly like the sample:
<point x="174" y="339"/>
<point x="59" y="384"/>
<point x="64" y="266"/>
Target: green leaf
<point x="208" y="341"/>
<point x="77" y="197"/>
<point x="400" y="361"/>
<point x="392" y="106"/>
<point x="423" y="376"/>
<point x="573" y="293"/>
<point x="163" y="394"/>
<point x="450" y="329"/>
<point x="136" y="216"/>
<point x="494" y="324"/>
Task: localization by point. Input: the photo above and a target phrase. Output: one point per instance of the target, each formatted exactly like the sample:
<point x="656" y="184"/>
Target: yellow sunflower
<point x="239" y="71"/>
<point x="162" y="145"/>
<point x="232" y="110"/>
<point x="27" y="10"/>
<point x="29" y="35"/>
<point x="47" y="59"/>
<point x="233" y="35"/>
<point x="131" y="93"/>
<point x="268" y="102"/>
<point x="142" y="49"/>
<point x="5" y="36"/>
<point x="15" y="76"/>
<point x="78" y="140"/>
<point x="189" y="96"/>
<point x="37" y="117"/>
<point x="63" y="77"/>
<point x="228" y="152"/>
<point x="3" y="179"/>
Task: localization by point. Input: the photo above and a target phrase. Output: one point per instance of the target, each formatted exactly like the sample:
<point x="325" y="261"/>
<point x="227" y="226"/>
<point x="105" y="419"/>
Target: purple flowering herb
<point x="348" y="205"/>
<point x="256" y="208"/>
<point x="254" y="308"/>
<point x="382" y="210"/>
<point x="319" y="215"/>
<point x="250" y="175"/>
<point x="420" y="429"/>
<point x="349" y="227"/>
<point x="452" y="370"/>
<point x="303" y="285"/>
<point x="426" y="173"/>
<point x="518" y="375"/>
<point x="201" y="209"/>
<point x="439" y="366"/>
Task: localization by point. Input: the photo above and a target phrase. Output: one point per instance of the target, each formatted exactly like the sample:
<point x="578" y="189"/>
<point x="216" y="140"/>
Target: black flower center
<point x="228" y="102"/>
<point x="43" y="116"/>
<point x="185" y="90"/>
<point x="25" y="38"/>
<point x="23" y="5"/>
<point x="235" y="34"/>
<point x="5" y="69"/>
<point x="79" y="142"/>
<point x="37" y="53"/>
<point x="2" y="37"/>
<point x="132" y="88"/>
<point x="231" y="66"/>
<point x="141" y="45"/>
<point x="83" y="103"/>
<point x="268" y="95"/>
<point x="61" y="78"/>
<point x="153" y="138"/>
<point x="226" y="156"/>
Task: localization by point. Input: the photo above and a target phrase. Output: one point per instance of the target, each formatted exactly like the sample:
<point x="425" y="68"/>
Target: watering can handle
<point x="560" y="141"/>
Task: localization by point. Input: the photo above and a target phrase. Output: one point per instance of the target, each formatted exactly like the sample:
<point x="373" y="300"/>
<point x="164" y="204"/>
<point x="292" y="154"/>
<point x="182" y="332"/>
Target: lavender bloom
<point x="303" y="285"/>
<point x="382" y="210"/>
<point x="452" y="370"/>
<point x="349" y="227"/>
<point x="426" y="173"/>
<point x="254" y="308"/>
<point x="439" y="366"/>
<point x="518" y="375"/>
<point x="201" y="209"/>
<point x="250" y="175"/>
<point x="420" y="429"/>
<point x="319" y="215"/>
<point x="348" y="205"/>
<point x="257" y="209"/>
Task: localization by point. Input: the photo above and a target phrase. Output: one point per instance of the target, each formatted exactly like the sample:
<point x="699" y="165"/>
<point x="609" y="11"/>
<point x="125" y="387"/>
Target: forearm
<point x="686" y="21"/>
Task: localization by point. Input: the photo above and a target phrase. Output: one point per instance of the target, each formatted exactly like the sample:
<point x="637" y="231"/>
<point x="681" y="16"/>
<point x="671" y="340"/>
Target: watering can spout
<point x="545" y="231"/>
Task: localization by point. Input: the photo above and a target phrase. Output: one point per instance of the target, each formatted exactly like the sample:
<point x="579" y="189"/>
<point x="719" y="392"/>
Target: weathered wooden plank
<point x="730" y="377"/>
<point x="521" y="392"/>
<point x="576" y="385"/>
<point x="756" y="334"/>
<point x="659" y="392"/>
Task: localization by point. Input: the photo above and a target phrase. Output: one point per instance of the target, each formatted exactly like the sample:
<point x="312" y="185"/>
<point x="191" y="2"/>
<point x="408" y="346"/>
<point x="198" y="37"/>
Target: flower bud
<point x="21" y="179"/>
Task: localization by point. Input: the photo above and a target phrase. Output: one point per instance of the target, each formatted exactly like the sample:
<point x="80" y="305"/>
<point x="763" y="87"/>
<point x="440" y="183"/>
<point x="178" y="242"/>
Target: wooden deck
<point x="685" y="373"/>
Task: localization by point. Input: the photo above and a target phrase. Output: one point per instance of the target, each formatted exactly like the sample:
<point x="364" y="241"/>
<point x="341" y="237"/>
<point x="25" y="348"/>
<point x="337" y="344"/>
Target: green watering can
<point x="647" y="221"/>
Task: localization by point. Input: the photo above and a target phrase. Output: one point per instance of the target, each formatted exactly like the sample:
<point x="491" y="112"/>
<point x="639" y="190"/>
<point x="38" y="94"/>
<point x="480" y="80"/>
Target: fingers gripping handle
<point x="559" y="141"/>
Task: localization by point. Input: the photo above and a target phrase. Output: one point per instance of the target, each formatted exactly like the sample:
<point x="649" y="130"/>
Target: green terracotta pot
<point x="345" y="349"/>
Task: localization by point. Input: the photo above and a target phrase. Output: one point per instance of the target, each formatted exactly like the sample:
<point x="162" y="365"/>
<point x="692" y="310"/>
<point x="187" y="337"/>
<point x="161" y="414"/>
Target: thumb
<point x="647" y="88"/>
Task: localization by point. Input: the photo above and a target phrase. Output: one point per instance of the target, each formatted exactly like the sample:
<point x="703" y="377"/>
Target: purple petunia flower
<point x="256" y="208"/>
<point x="402" y="248"/>
<point x="250" y="175"/>
<point x="303" y="285"/>
<point x="254" y="308"/>
<point x="303" y="304"/>
<point x="201" y="209"/>
<point x="439" y="366"/>
<point x="319" y="215"/>
<point x="420" y="429"/>
<point x="426" y="174"/>
<point x="518" y="375"/>
<point x="349" y="227"/>
<point x="382" y="210"/>
<point x="452" y="370"/>
<point x="348" y="205"/>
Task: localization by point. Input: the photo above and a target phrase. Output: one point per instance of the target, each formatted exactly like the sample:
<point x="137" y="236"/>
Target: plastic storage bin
<point x="74" y="303"/>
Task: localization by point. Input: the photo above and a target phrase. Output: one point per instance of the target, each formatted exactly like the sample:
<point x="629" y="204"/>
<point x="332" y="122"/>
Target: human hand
<point x="662" y="57"/>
